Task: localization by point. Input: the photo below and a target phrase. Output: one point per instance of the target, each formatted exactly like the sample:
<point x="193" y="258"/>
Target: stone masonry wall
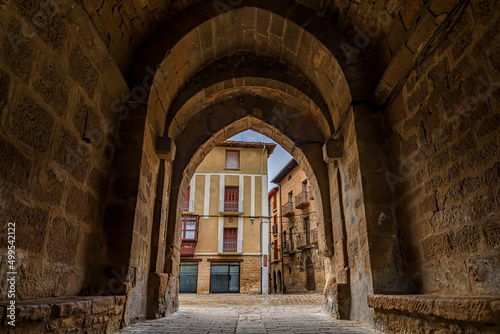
<point x="54" y="78"/>
<point x="61" y="315"/>
<point x="296" y="281"/>
<point x="444" y="146"/>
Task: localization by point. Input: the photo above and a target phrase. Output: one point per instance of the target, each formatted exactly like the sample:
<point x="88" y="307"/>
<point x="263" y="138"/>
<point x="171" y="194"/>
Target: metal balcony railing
<point x="287" y="209"/>
<point x="188" y="206"/>
<point x="231" y="207"/>
<point x="230" y="246"/>
<point x="302" y="200"/>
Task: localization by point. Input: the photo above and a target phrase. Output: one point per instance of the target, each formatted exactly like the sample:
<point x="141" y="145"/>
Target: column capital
<point x="165" y="148"/>
<point x="333" y="149"/>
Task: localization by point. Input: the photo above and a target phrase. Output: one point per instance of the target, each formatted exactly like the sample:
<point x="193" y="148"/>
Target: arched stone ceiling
<point x="125" y="25"/>
<point x="290" y="97"/>
<point x="188" y="52"/>
<point x="258" y="71"/>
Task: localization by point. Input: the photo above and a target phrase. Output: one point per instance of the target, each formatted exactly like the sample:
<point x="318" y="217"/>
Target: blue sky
<point x="276" y="161"/>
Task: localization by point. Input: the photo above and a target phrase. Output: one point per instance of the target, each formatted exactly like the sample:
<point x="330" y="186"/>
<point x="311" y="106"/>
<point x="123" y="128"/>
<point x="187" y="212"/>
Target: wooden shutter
<point x="231" y="203"/>
<point x="231" y="194"/>
<point x="230" y="234"/>
<point x="230" y="240"/>
<point x="232" y="159"/>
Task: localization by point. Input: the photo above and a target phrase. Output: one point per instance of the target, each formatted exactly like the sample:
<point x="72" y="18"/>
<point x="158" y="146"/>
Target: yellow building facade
<point x="225" y="222"/>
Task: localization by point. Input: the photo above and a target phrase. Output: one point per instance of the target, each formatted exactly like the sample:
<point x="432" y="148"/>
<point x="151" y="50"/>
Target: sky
<point x="276" y="161"/>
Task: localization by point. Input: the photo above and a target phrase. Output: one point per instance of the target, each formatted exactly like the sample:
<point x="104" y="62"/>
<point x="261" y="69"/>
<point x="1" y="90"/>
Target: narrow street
<point x="234" y="313"/>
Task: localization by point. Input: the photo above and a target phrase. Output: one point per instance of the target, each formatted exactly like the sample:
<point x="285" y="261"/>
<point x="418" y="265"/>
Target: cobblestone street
<point x="248" y="314"/>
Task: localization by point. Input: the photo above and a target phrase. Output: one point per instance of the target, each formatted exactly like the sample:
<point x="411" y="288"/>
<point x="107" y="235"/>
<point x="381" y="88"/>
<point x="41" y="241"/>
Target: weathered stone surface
<point x="14" y="166"/>
<point x="32" y="124"/>
<point x="17" y="51"/>
<point x="80" y="204"/>
<point x="4" y="89"/>
<point x="33" y="222"/>
<point x="471" y="310"/>
<point x="51" y="84"/>
<point x="103" y="304"/>
<point x="83" y="71"/>
<point x="64" y="241"/>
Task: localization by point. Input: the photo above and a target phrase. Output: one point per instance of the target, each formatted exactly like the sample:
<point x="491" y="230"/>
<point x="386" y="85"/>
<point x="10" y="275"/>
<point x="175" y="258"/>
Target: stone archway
<point x="316" y="85"/>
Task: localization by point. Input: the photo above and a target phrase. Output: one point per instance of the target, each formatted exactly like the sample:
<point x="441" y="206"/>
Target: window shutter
<point x="233" y="159"/>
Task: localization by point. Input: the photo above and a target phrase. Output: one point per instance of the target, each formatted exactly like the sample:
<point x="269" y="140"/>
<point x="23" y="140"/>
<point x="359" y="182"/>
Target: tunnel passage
<point x="392" y="107"/>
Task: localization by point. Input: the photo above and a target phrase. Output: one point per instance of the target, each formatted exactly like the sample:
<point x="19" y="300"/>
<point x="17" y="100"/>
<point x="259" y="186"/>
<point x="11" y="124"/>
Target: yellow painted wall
<point x="250" y="161"/>
<point x="214" y="163"/>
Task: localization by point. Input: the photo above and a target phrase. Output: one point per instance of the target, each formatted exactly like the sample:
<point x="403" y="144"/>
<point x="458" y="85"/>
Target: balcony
<point x="287" y="209"/>
<point x="286" y="247"/>
<point x="289" y="247"/>
<point x="275" y="228"/>
<point x="314" y="236"/>
<point x="231" y="208"/>
<point x="187" y="248"/>
<point x="230" y="246"/>
<point x="304" y="240"/>
<point x="302" y="200"/>
<point x="188" y="207"/>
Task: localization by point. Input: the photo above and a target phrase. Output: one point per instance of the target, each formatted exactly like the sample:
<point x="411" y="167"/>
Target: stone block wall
<point x="296" y="281"/>
<point x="65" y="315"/>
<point x="444" y="147"/>
<point x="54" y="79"/>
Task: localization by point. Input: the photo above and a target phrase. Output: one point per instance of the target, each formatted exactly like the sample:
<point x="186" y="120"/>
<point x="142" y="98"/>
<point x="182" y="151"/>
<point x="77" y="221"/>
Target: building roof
<point x="273" y="191"/>
<point x="285" y="171"/>
<point x="250" y="144"/>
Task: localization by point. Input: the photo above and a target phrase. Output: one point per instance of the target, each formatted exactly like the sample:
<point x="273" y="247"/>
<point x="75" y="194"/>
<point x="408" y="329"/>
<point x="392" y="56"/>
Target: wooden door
<point x="230" y="240"/>
<point x="311" y="284"/>
<point x="231" y="198"/>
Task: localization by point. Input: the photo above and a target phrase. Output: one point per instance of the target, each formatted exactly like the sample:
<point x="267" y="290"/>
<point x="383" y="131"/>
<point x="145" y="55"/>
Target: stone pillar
<point x="337" y="299"/>
<point x="381" y="226"/>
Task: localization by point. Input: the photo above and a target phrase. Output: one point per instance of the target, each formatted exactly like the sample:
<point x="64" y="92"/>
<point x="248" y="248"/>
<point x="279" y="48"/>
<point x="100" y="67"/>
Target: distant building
<point x="296" y="265"/>
<point x="224" y="222"/>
